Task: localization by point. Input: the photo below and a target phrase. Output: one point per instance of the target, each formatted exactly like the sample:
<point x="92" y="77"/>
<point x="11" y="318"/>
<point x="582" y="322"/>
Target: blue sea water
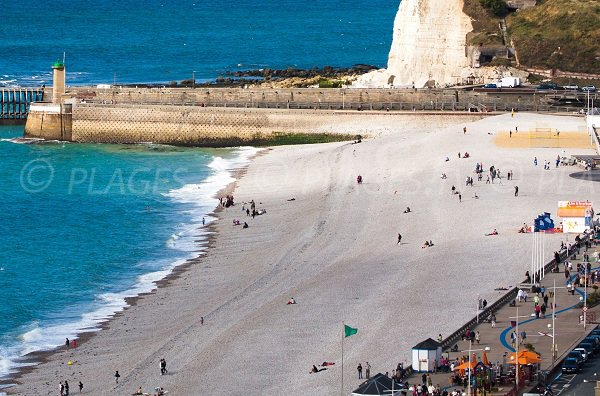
<point x="84" y="226"/>
<point x="164" y="40"/>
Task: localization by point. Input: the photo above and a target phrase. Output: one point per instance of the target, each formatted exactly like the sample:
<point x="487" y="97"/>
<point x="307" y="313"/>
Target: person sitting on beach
<point x="407" y="210"/>
<point x="522" y="230"/>
<point x="444" y="176"/>
<point x="475" y="196"/>
<point x="245" y="225"/>
<point x="316" y="370"/>
<point x="447" y="159"/>
<point x="430" y="243"/>
<point x="359" y="179"/>
<point x="236" y="222"/>
<point x="495" y="232"/>
<point x="292" y="301"/>
<point x="467" y="155"/>
<point x="425" y="245"/>
<point x="138" y="391"/>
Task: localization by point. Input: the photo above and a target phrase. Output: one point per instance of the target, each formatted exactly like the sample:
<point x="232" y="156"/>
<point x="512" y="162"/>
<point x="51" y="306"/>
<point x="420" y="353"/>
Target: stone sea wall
<point x="335" y="99"/>
<point x="201" y="126"/>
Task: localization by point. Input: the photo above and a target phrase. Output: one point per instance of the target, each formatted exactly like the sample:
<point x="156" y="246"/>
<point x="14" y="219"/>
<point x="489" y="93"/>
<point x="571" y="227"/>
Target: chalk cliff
<point x="429" y="43"/>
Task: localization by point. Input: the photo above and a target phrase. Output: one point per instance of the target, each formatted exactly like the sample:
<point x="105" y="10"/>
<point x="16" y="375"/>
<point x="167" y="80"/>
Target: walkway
<point x="568" y="329"/>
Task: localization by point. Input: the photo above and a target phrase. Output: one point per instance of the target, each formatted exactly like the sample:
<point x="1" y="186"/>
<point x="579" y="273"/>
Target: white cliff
<point x="429" y="43"/>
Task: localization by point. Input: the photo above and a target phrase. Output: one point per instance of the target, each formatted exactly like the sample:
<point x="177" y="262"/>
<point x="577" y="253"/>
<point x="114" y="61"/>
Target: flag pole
<point x="342" y="390"/>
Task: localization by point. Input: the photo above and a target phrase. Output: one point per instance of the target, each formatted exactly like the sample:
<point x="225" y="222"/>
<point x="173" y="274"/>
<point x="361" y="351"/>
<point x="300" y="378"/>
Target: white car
<point x="583" y="353"/>
<point x="589" y="88"/>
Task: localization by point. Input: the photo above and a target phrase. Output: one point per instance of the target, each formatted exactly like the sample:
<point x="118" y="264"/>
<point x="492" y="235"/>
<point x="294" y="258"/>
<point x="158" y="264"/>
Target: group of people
<point x="547" y="163"/>
<point x="227" y="201"/>
<point x="64" y="387"/>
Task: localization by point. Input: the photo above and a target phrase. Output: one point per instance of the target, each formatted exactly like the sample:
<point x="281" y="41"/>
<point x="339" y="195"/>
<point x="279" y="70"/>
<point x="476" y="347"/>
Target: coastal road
<point x="578" y="384"/>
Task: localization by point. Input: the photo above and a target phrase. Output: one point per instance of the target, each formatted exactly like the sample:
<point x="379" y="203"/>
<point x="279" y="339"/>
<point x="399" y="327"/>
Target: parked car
<point x="588" y="347"/>
<point x="594" y="340"/>
<point x="577" y="356"/>
<point x="490" y="86"/>
<point x="571" y="87"/>
<point x="589" y="88"/>
<point x="570" y="365"/>
<point x="583" y="352"/>
<point x="547" y="86"/>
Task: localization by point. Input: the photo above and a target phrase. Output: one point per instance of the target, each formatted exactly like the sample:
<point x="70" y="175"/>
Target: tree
<point x="497" y="7"/>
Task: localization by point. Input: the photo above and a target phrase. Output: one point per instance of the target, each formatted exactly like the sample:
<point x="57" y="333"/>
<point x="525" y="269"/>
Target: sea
<point x="84" y="226"/>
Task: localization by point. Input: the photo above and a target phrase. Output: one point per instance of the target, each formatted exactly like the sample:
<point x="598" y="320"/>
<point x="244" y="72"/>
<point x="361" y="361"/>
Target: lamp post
<point x="517" y="346"/>
<point x="487" y="349"/>
<point x="193" y="79"/>
<point x="584" y="298"/>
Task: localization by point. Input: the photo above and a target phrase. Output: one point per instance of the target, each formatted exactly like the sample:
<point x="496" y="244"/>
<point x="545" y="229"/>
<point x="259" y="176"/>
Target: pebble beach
<point x="222" y="322"/>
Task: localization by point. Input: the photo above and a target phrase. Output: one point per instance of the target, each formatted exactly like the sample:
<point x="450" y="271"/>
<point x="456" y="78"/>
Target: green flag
<point x="349" y="331"/>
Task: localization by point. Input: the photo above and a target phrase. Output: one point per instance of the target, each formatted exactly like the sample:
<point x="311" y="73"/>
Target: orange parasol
<point x="485" y="359"/>
<point x="466" y="366"/>
<point x="525" y="357"/>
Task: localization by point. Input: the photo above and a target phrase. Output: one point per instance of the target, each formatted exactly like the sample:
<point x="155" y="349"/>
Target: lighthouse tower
<point x="58" y="81"/>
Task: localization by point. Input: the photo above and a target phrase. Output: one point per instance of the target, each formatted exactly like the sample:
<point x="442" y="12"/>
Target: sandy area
<point x="334" y="249"/>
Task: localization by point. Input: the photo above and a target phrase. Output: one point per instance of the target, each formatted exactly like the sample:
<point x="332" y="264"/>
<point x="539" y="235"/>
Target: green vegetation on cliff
<point x="486" y="30"/>
<point x="558" y="34"/>
<point x="555" y="34"/>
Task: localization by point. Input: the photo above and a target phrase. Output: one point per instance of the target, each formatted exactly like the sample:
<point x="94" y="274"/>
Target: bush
<point x="326" y="83"/>
<point x="497" y="7"/>
<point x="529" y="347"/>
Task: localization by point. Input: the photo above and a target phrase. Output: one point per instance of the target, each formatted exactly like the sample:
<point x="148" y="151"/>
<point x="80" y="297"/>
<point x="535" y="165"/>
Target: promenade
<point x="568" y="331"/>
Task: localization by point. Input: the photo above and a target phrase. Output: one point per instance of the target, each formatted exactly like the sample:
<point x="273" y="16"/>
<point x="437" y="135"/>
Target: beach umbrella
<point x="378" y="385"/>
<point x="524" y="357"/>
<point x="466" y="366"/>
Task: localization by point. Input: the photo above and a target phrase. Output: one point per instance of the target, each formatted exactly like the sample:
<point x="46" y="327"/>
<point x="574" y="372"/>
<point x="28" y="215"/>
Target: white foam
<point x="38" y="337"/>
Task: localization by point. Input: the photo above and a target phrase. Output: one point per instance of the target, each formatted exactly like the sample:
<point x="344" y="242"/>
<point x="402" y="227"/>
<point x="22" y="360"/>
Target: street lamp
<point x="584" y="298"/>
<point x="517" y="346"/>
<point x="487" y="349"/>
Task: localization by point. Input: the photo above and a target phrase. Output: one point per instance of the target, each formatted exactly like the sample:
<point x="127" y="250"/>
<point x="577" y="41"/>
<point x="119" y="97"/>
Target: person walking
<point x="516" y="191"/>
<point x="80" y="386"/>
<point x="367" y="371"/>
<point x="61" y="388"/>
<point x="117" y="376"/>
<point x="493" y="320"/>
<point x="359" y="369"/>
<point x="163" y="366"/>
<point x="66" y="388"/>
<point x="399" y="239"/>
<point x="534" y="161"/>
<point x="459" y="197"/>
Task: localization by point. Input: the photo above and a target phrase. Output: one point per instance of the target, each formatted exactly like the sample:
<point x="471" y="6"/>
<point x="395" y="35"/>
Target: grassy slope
<point x="572" y="25"/>
<point x="485" y="26"/>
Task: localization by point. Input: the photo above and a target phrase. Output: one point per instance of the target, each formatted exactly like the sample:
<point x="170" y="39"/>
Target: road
<point x="579" y="384"/>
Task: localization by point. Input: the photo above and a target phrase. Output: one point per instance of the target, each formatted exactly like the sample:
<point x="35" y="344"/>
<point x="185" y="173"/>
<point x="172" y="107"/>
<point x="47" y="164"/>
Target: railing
<point x="451" y="340"/>
<point x="14" y="103"/>
<point x="363" y="106"/>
